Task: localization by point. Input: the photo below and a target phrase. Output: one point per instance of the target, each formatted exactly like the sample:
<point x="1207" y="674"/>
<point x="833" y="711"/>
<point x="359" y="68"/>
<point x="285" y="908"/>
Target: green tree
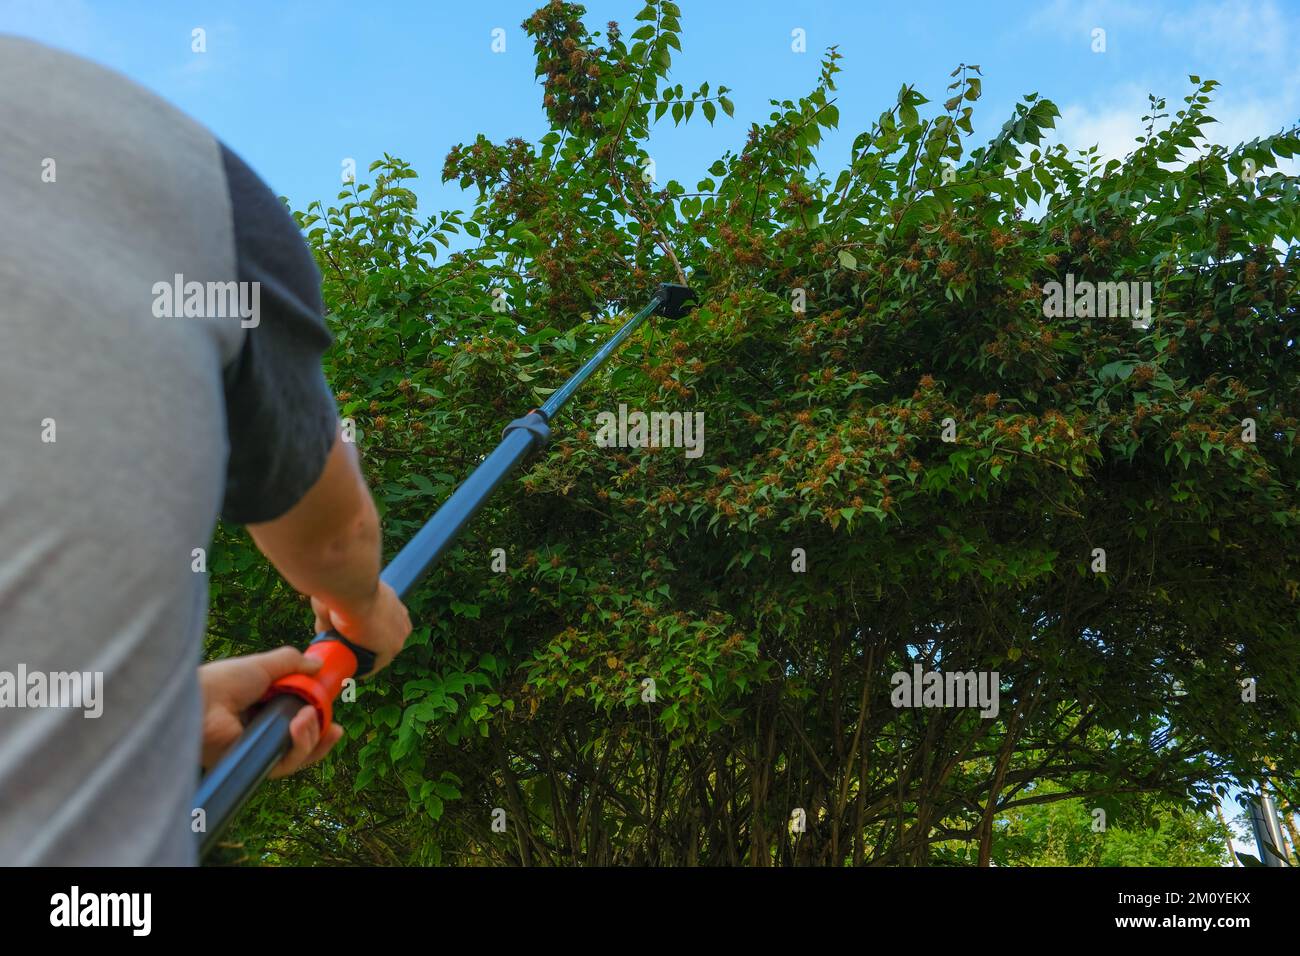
<point x="848" y="324"/>
<point x="1143" y="833"/>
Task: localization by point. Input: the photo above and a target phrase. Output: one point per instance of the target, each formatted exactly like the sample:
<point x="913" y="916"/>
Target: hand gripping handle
<point x="340" y="659"/>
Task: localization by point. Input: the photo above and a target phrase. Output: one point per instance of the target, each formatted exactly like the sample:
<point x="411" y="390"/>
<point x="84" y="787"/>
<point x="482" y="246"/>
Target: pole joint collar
<point x="674" y="300"/>
<point x="535" y="424"/>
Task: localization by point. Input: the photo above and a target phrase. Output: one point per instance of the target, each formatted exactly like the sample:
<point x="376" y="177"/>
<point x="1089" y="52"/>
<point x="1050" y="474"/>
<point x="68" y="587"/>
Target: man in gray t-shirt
<point x="160" y="339"/>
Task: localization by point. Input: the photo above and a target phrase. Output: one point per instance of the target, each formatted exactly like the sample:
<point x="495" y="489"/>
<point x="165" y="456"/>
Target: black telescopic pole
<point x="235" y="777"/>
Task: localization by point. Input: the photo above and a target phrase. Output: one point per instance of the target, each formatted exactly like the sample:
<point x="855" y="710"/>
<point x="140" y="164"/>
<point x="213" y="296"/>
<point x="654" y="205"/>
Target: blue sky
<point x="296" y="87"/>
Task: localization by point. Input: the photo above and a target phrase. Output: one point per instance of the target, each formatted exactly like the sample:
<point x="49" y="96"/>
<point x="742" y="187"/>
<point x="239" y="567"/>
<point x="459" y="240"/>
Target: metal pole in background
<point x="1268" y="831"/>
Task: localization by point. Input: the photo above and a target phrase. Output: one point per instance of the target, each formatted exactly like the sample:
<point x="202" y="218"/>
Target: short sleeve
<point x="280" y="412"/>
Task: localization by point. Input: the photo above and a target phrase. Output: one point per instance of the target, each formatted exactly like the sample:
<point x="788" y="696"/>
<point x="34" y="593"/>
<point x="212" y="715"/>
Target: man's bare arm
<point x="328" y="546"/>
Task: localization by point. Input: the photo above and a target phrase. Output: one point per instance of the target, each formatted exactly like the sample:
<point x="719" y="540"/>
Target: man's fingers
<point x="308" y="745"/>
<point x="332" y="736"/>
<point x="326" y="620"/>
<point x="237" y="683"/>
<point x="284" y="661"/>
<point x="322" y="615"/>
<point x="304" y="729"/>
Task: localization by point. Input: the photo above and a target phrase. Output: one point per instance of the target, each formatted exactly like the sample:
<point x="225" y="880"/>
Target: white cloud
<point x="1114" y="126"/>
<point x="1245" y="44"/>
<point x="1250" y="34"/>
<point x="1073" y="20"/>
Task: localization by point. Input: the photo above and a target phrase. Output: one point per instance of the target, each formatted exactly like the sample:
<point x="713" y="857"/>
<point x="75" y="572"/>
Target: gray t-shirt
<point x="134" y="408"/>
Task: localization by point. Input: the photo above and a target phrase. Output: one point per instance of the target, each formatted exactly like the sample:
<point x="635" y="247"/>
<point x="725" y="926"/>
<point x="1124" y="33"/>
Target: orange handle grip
<point x="338" y="663"/>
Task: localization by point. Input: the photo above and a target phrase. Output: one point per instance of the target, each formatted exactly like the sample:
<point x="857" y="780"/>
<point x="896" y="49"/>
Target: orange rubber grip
<point x="338" y="663"/>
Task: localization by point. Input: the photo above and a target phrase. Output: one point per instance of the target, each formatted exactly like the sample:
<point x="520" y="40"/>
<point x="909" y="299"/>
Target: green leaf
<point x="465" y="610"/>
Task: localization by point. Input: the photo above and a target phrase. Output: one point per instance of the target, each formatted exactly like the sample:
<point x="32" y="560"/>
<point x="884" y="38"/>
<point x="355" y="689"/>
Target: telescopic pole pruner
<point x="234" y="778"/>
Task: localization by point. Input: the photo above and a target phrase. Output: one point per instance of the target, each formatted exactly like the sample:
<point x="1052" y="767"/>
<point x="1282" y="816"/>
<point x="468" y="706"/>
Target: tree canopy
<point x="906" y="460"/>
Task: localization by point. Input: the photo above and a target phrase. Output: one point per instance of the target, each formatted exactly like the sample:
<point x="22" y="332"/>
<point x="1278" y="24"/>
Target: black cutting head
<point x="674" y="300"/>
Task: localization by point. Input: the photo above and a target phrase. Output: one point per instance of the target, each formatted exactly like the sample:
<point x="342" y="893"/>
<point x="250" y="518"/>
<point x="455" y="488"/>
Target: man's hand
<point x="381" y="625"/>
<point x="233" y="685"/>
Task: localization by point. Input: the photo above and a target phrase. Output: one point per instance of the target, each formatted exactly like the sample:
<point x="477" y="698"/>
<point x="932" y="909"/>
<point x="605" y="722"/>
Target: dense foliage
<point x="1066" y="833"/>
<point x="843" y="317"/>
